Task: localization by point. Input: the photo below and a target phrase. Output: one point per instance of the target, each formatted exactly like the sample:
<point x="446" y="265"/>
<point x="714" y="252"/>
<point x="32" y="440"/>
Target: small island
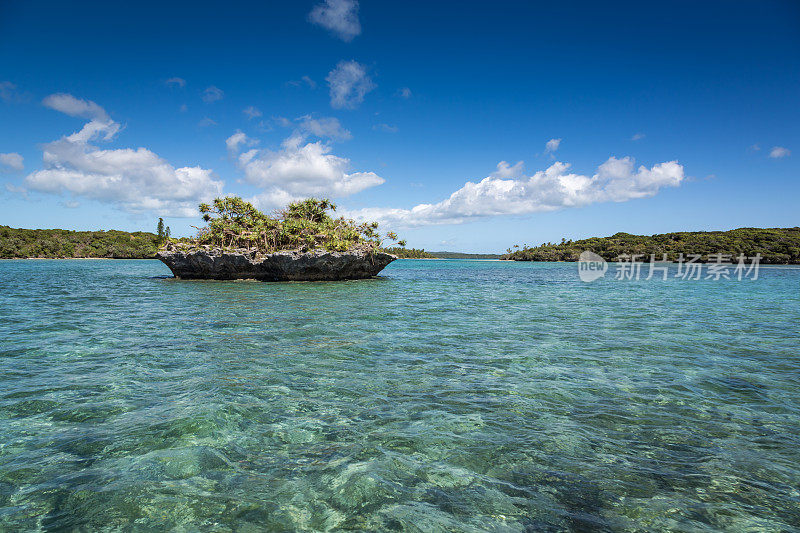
<point x="300" y="243"/>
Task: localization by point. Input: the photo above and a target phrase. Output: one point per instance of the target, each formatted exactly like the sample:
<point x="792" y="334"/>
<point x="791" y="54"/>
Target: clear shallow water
<point x="448" y="395"/>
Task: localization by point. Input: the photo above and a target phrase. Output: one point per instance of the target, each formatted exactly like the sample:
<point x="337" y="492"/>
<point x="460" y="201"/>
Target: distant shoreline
<point x="775" y="246"/>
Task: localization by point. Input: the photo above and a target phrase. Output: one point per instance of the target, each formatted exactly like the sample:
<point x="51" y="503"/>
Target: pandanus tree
<point x="305" y="225"/>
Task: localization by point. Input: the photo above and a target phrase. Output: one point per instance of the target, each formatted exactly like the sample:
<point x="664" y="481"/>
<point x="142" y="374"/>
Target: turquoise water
<point x="444" y="396"/>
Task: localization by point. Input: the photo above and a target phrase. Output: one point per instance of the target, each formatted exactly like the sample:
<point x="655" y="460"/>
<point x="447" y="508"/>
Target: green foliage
<point x="305" y="225"/>
<point x="408" y="253"/>
<point x="59" y="243"/>
<point x="776" y="246"/>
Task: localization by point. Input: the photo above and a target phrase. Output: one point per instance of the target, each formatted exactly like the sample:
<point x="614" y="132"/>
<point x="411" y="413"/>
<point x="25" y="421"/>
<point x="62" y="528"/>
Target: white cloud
<point x="386" y="128"/>
<point x="506" y="171"/>
<point x="212" y="94"/>
<point x="206" y="122"/>
<point x="237" y="140"/>
<point x="176" y="82"/>
<point x="323" y="127"/>
<point x="12" y="160"/>
<point x="340" y="17"/>
<point x="349" y="83"/>
<point x="252" y="112"/>
<point x="404" y="92"/>
<point x="552" y="145"/>
<point x="638" y="136"/>
<point x="509" y="192"/>
<point x="298" y="170"/>
<point x="135" y="179"/>
<point x="75" y="107"/>
<point x="779" y="151"/>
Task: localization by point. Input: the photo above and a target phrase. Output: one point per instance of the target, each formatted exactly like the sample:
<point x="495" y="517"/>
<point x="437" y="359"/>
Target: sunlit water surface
<point x="445" y="395"/>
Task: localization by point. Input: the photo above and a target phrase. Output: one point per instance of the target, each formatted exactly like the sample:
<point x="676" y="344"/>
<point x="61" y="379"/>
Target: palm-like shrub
<point x="306" y="225"/>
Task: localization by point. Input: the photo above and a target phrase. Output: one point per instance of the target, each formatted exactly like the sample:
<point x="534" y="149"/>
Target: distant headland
<point x="775" y="245"/>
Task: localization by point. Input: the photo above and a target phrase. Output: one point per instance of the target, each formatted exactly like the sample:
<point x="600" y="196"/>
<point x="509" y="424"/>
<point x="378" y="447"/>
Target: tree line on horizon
<point x="776" y="246"/>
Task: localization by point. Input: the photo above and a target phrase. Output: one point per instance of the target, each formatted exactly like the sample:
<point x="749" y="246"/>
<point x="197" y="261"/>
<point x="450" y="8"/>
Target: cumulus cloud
<point x="135" y="179"/>
<point x="348" y="83"/>
<point x="12" y="160"/>
<point x="404" y="92"/>
<point x="552" y="145"/>
<point x="340" y="17"/>
<point x="779" y="151"/>
<point x="298" y="170"/>
<point x="637" y="136"/>
<point x="176" y="82"/>
<point x="509" y="192"/>
<point x="252" y="112"/>
<point x="212" y="94"/>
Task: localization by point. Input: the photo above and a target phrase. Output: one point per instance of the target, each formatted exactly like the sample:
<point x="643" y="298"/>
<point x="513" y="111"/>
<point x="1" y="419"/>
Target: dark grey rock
<point x="314" y="265"/>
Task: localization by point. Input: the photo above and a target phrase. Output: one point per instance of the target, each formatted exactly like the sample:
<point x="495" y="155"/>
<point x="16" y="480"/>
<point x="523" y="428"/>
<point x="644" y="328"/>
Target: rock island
<point x="300" y="243"/>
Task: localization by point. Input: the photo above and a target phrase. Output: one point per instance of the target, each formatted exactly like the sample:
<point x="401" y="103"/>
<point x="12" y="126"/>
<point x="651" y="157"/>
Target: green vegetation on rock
<point x="776" y="246"/>
<point x="234" y="224"/>
<point x="60" y="243"/>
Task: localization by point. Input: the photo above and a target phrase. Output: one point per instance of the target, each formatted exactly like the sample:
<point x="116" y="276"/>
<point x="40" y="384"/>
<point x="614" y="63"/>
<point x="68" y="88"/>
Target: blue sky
<point x="627" y="116"/>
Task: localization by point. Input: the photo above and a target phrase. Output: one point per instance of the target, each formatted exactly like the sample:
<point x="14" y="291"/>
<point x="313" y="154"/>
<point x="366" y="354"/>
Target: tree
<point x="160" y="230"/>
<point x="167" y="234"/>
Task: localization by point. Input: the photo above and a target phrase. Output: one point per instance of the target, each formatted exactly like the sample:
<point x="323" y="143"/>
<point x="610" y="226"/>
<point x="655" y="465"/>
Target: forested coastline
<point x="776" y="246"/>
<point x="16" y="243"/>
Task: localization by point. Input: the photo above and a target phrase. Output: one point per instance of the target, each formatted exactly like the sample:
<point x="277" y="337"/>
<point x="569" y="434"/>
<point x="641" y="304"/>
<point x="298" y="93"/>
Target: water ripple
<point x="443" y="396"/>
